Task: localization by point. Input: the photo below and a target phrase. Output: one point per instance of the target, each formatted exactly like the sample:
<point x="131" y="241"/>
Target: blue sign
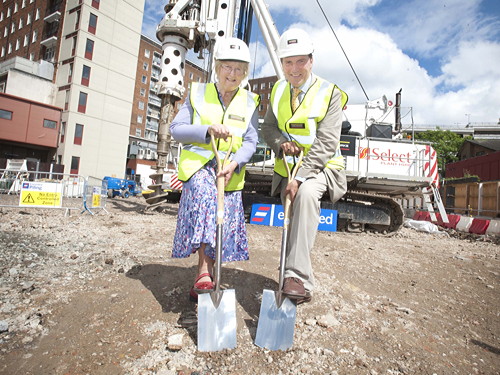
<point x="273" y="215"/>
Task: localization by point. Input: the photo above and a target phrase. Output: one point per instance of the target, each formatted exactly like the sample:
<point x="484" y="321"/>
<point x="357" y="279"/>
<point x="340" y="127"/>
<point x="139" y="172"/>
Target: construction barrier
<point x="20" y="188"/>
<point x="464" y="224"/>
<point x="479" y="226"/>
<point x="95" y="195"/>
<point x="493" y="228"/>
<point x="452" y="221"/>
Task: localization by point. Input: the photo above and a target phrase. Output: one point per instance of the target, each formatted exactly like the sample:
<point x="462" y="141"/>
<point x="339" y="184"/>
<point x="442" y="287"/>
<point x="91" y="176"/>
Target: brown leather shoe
<point x="293" y="288"/>
<point x="306" y="299"/>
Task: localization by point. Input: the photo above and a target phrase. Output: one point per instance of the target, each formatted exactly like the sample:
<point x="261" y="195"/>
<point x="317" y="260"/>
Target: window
<point x="82" y="102"/>
<point x="66" y="101"/>
<point x="89" y="49"/>
<point x="63" y="131"/>
<point x="13" y="27"/>
<point x="191" y="75"/>
<point x="139" y="119"/>
<point x="15" y="7"/>
<point x="23" y="4"/>
<point x="262" y="85"/>
<point x="95" y="3"/>
<point x="35" y="36"/>
<point x="141" y="105"/>
<point x="85" y="75"/>
<point x="254" y="88"/>
<point x="49" y="124"/>
<point x="20" y="23"/>
<point x="26" y="40"/>
<point x="3" y="52"/>
<point x="78" y="134"/>
<point x="32" y="56"/>
<point x="271" y="84"/>
<point x="73" y="48"/>
<point x="92" y="23"/>
<point x="70" y="72"/>
<point x="5" y="31"/>
<point x="77" y="22"/>
<point x="49" y="54"/>
<point x="145" y="66"/>
<point x="8" y="12"/>
<point x="10" y="48"/>
<point x="144" y="79"/>
<point x="143" y="92"/>
<point x="75" y="164"/>
<point x="146" y="51"/>
<point x="1" y="16"/>
<point x="37" y="14"/>
<point x="138" y="132"/>
<point x="17" y="44"/>
<point x="28" y="19"/>
<point x="6" y="115"/>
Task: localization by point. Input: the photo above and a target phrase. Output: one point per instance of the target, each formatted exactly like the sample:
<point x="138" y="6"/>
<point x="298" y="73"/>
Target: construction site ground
<point x="83" y="294"/>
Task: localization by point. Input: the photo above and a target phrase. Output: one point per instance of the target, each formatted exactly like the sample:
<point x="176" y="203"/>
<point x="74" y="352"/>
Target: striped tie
<point x="295" y="98"/>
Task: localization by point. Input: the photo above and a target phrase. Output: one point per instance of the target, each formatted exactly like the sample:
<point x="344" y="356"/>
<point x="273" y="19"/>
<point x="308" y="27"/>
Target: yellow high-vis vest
<point x="208" y="110"/>
<point x="301" y="126"/>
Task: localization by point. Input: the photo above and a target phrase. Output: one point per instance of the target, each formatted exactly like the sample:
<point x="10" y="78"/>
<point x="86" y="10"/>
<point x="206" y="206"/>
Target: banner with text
<point x="273" y="215"/>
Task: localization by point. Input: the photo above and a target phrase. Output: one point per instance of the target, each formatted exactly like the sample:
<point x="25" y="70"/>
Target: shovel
<point x="277" y="312"/>
<point x="216" y="310"/>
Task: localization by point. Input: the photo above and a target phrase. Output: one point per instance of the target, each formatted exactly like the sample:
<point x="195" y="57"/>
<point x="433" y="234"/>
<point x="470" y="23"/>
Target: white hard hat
<point x="232" y="49"/>
<point x="295" y="42"/>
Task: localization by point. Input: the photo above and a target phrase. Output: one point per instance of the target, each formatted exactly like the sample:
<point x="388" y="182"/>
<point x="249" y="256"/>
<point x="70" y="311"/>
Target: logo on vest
<point x="297" y="125"/>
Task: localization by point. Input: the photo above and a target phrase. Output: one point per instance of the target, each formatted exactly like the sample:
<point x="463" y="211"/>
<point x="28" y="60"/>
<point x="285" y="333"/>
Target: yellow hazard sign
<point x="96" y="200"/>
<point x="41" y="194"/>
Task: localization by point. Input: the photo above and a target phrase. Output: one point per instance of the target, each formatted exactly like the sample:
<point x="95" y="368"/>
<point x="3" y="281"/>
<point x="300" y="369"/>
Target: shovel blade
<point x="217" y="325"/>
<point x="276" y="324"/>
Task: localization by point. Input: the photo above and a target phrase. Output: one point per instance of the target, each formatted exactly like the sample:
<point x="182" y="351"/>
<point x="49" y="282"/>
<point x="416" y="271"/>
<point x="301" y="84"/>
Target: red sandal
<point x="201" y="287"/>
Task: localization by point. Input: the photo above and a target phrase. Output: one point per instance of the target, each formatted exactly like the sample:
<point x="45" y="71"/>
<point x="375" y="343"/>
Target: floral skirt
<point x="196" y="221"/>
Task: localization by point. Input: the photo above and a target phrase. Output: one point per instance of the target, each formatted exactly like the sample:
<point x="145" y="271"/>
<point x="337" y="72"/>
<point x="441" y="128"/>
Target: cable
<point x="352" y="68"/>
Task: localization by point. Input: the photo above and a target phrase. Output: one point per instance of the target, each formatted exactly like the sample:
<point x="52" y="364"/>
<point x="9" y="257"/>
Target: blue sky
<point x="444" y="54"/>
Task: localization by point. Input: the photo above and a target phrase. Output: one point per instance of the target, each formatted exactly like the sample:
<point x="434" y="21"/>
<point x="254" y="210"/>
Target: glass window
<point x="85" y="75"/>
<point x="89" y="49"/>
<point x="49" y="124"/>
<point x="146" y="53"/>
<point x="78" y="134"/>
<point x="75" y="164"/>
<point x="144" y="79"/>
<point x="141" y="105"/>
<point x="145" y="66"/>
<point x="20" y="23"/>
<point x="139" y="119"/>
<point x="92" y="23"/>
<point x="82" y="102"/>
<point x="37" y="14"/>
<point x="28" y="19"/>
<point x="95" y="3"/>
<point x="63" y="131"/>
<point x="26" y="40"/>
<point x="143" y="92"/>
<point x="35" y="36"/>
<point x="138" y="132"/>
<point x="7" y="115"/>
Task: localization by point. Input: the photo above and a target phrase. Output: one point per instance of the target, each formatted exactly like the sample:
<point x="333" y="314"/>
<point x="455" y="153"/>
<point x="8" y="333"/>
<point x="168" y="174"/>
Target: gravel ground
<point x="84" y="294"/>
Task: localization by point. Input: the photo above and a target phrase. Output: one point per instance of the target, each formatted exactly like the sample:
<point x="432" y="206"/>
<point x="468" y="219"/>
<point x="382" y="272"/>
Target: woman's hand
<point x="290" y="148"/>
<point x="219" y="131"/>
<point x="228" y="171"/>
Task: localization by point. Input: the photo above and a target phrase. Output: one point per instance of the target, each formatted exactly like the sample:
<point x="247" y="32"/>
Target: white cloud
<point x="383" y="46"/>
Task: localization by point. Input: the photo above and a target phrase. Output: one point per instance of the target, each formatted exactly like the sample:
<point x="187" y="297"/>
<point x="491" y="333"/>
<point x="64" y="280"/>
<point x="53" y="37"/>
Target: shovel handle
<point x="220" y="179"/>
<point x="291" y="175"/>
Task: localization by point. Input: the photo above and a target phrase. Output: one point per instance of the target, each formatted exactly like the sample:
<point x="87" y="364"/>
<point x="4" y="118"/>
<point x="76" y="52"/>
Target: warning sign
<point x="41" y="194"/>
<point x="96" y="196"/>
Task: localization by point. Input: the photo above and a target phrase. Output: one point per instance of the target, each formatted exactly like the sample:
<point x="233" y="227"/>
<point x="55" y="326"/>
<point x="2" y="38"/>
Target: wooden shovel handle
<point x="220" y="179"/>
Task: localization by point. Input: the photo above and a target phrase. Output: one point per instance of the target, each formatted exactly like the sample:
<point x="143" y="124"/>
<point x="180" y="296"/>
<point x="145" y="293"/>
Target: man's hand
<point x="219" y="131"/>
<point x="228" y="171"/>
<point x="292" y="188"/>
<point x="290" y="148"/>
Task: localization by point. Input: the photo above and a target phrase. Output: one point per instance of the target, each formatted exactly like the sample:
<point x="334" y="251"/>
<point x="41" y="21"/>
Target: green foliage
<point x="446" y="143"/>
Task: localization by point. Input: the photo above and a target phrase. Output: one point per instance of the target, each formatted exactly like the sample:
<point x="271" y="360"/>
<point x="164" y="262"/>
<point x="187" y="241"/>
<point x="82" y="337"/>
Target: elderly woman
<point x="219" y="109"/>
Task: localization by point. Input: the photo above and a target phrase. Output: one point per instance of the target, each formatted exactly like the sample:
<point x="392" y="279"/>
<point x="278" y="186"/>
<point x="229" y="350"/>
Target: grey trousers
<point x="303" y="228"/>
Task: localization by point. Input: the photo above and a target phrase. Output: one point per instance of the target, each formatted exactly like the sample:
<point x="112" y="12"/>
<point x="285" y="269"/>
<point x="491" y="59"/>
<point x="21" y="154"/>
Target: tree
<point x="446" y="143"/>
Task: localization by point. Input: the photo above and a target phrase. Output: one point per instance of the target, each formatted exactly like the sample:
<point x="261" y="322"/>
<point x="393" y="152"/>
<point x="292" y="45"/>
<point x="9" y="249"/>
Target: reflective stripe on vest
<point x="301" y="126"/>
<point x="208" y="110"/>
